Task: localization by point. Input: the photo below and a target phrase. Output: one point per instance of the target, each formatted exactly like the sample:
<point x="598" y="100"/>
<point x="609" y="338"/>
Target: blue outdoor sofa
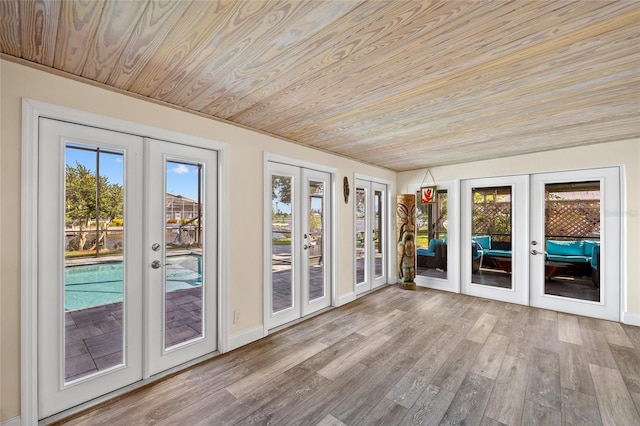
<point x="434" y="256"/>
<point x="582" y="255"/>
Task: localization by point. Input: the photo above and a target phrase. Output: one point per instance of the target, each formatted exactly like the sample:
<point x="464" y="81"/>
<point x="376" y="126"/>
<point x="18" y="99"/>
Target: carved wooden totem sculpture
<point x="405" y="214"/>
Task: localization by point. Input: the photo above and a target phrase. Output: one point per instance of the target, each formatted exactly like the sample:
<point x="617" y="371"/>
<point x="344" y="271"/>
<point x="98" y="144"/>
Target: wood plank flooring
<point x="407" y="358"/>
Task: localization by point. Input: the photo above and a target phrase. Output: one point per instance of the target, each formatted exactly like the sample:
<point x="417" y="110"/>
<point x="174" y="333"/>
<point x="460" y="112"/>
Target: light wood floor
<point x="408" y="357"/>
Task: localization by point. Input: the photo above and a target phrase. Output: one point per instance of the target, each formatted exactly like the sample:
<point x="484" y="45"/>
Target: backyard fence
<point x="573" y="219"/>
<point x="564" y="219"/>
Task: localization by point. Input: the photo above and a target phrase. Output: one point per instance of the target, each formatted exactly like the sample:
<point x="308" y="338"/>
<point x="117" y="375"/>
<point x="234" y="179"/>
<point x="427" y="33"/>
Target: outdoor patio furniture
<point x="434" y="256"/>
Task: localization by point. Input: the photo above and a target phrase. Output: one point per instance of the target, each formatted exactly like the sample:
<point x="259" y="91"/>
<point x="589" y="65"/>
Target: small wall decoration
<point x="345" y="188"/>
<point x="428" y="194"/>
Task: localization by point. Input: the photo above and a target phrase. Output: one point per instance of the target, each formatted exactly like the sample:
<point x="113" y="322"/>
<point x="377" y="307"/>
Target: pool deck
<point x="93" y="339"/>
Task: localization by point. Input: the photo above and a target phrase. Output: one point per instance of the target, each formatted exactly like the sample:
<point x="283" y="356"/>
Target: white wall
<point x="622" y="153"/>
<point x="246" y="150"/>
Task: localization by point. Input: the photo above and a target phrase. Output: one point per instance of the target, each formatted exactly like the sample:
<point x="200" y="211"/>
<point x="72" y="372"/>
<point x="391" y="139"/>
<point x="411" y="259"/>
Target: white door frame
<point x="32" y="110"/>
<point x="452" y="283"/>
<point x="332" y="249"/>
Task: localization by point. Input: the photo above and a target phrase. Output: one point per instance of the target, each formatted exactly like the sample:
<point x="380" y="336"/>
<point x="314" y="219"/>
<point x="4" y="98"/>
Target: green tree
<point x="81" y="187"/>
<point x="281" y="189"/>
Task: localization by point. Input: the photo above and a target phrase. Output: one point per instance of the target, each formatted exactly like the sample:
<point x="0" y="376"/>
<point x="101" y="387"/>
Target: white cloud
<point x="180" y="169"/>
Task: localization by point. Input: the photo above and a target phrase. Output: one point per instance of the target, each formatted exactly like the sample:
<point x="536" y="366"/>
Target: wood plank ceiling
<point x="399" y="84"/>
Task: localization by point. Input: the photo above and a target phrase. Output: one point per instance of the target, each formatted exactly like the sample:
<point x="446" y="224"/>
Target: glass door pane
<point x="378" y="233"/>
<point x="314" y="241"/>
<point x="282" y="278"/>
<point x="491" y="236"/>
<point x="94" y="260"/>
<point x="184" y="229"/>
<point x="431" y="236"/>
<point x="361" y="240"/>
<point x="572" y="240"/>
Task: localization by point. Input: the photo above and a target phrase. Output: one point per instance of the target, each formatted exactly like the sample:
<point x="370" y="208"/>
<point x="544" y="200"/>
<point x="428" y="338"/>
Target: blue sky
<point x="182" y="179"/>
<point x="111" y="165"/>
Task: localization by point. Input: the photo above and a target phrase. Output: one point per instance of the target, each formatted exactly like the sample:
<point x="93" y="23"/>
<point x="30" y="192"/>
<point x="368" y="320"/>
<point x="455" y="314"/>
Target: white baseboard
<point x="631" y="319"/>
<point x="245" y="337"/>
<point x="11" y="422"/>
<point x="344" y="299"/>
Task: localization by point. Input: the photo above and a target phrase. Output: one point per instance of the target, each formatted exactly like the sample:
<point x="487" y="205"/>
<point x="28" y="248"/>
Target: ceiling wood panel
<point x="234" y="46"/>
<point x="77" y="28"/>
<point x="277" y="42"/>
<point x="422" y="86"/>
<point x="116" y="25"/>
<point x="200" y="19"/>
<point x="399" y="84"/>
<point x="229" y="28"/>
<point x="546" y="82"/>
<point x="360" y="27"/>
<point x="365" y="64"/>
<point x="158" y="19"/>
<point x="9" y="28"/>
<point x="38" y="24"/>
<point x="372" y="76"/>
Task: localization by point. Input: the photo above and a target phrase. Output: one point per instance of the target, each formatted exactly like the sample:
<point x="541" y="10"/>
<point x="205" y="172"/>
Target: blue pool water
<point x="101" y="283"/>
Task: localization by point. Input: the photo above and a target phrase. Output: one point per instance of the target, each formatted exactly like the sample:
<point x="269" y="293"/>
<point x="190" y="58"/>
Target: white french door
<point x="437" y="237"/>
<point x="108" y="251"/>
<point x="298" y="243"/>
<point x="495" y="233"/>
<point x="551" y="240"/>
<point x="575" y="242"/>
<point x="180" y="247"/>
<point x="371" y="231"/>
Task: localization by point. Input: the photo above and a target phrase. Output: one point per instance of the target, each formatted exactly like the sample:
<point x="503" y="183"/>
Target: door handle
<point x="156" y="264"/>
<point x="534" y="252"/>
<point x="305" y="246"/>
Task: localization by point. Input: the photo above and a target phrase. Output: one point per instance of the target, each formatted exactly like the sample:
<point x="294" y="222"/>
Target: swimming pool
<point x="101" y="283"/>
